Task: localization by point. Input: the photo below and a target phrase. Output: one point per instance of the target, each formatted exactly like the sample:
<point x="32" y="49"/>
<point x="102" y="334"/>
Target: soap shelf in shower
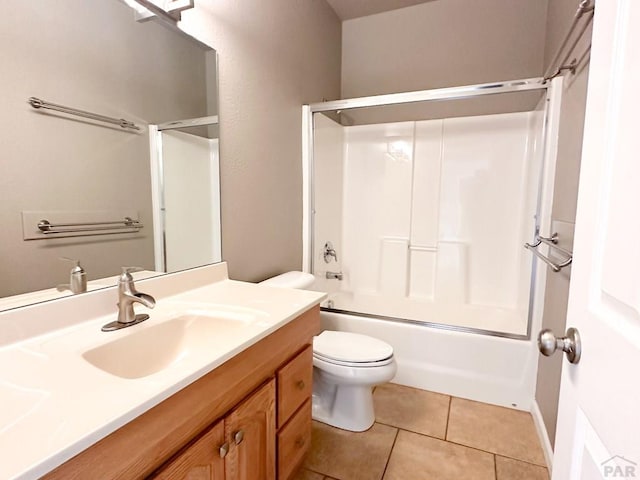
<point x="552" y="242"/>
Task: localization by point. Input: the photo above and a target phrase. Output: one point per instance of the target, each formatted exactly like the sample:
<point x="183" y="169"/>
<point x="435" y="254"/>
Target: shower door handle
<point x="548" y="344"/>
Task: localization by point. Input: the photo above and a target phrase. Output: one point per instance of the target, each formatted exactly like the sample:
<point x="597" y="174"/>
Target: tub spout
<point x="334" y="275"/>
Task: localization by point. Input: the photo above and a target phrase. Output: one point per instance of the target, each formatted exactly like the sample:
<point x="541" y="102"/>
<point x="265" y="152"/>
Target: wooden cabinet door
<point x="250" y="430"/>
<point x="200" y="461"/>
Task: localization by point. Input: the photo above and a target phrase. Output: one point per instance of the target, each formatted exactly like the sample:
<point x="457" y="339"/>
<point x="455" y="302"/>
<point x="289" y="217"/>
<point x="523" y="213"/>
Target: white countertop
<point x="55" y="403"/>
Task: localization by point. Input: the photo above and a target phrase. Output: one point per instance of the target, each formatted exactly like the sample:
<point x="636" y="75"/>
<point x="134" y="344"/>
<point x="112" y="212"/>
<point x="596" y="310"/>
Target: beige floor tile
<point x="510" y="469"/>
<point x="304" y="474"/>
<point x="417" y="457"/>
<point x="348" y="455"/>
<point x="494" y="429"/>
<point x="412" y="409"/>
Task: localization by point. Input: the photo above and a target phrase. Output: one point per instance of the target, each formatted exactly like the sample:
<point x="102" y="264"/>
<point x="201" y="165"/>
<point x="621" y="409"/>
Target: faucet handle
<point x="127" y="271"/>
<point x="328" y="251"/>
<point x="131" y="269"/>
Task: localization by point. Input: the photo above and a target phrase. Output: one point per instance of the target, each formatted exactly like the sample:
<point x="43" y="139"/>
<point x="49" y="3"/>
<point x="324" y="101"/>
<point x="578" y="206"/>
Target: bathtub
<point x="495" y="370"/>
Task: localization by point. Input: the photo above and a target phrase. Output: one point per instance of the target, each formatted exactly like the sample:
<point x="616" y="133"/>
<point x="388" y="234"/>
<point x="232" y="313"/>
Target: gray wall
<point x="443" y="43"/>
<point x="440" y="44"/>
<point x="273" y="57"/>
<point x="559" y="18"/>
<point x="92" y="56"/>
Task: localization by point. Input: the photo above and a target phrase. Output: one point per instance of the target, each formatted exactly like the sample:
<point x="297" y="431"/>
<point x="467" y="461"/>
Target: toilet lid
<point x="351" y="347"/>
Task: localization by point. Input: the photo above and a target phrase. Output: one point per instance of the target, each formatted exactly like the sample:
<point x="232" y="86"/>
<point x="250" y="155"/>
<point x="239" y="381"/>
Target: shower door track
<point x="447" y="93"/>
<point x="438" y="94"/>
<point x="425" y="323"/>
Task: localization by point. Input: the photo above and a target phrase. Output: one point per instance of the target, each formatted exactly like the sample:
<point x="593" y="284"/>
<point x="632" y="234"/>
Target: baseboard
<point x="543" y="435"/>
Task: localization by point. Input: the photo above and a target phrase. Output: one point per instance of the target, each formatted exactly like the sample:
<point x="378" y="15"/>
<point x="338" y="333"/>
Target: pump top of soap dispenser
<point x="77" y="278"/>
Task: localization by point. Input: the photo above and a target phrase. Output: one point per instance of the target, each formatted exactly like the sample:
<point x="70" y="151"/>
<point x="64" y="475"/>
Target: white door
<point x="599" y="415"/>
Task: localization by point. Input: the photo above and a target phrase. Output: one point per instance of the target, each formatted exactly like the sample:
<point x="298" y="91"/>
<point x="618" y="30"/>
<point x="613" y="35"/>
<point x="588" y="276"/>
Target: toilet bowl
<point x="346" y="367"/>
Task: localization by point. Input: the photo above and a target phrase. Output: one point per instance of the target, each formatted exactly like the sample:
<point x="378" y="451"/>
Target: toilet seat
<point x="377" y="363"/>
<point x="351" y="349"/>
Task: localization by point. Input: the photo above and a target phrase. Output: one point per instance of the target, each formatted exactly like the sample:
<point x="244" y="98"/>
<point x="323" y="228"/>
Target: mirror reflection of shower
<point x="186" y="193"/>
<point x="429" y="205"/>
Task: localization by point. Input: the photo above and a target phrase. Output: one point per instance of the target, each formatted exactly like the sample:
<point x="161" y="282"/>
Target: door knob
<point x="548" y="343"/>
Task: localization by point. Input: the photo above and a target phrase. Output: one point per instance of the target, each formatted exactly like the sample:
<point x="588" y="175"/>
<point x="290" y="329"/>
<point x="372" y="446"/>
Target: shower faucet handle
<point x="329" y="252"/>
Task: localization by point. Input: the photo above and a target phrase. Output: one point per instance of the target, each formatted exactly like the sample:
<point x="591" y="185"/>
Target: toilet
<point x="346" y="367"/>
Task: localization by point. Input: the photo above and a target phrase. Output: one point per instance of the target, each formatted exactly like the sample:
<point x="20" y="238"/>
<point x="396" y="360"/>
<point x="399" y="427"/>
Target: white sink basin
<point x="152" y="349"/>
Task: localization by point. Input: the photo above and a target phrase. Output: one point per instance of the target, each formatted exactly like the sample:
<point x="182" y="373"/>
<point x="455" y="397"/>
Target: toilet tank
<point x="295" y="279"/>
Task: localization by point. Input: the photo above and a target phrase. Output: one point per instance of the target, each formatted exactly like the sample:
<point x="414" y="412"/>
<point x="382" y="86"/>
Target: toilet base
<point x="349" y="407"/>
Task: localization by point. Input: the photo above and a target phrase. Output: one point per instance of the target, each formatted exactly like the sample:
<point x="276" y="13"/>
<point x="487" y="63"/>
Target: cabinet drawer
<point x="294" y="441"/>
<point x="294" y="384"/>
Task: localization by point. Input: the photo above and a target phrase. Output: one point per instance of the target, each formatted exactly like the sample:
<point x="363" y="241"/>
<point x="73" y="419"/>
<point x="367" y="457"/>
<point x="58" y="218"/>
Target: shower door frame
<point x="156" y="157"/>
<point x="551" y="111"/>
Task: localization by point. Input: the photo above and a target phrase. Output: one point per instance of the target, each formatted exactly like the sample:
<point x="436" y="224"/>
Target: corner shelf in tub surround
<point x="67" y="418"/>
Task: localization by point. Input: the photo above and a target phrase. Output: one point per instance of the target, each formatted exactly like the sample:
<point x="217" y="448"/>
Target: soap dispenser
<point x="77" y="278"/>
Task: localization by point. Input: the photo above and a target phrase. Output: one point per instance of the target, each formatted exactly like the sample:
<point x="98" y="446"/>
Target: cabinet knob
<point x="238" y="437"/>
<point x="299" y="442"/>
<point x="300" y="384"/>
<point x="224" y="449"/>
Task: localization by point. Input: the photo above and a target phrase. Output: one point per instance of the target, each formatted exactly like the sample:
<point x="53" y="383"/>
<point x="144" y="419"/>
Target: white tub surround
<point x="50" y="392"/>
<point x="430" y="218"/>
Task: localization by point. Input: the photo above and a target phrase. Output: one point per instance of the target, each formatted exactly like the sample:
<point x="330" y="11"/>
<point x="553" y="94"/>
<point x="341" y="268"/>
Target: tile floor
<point x="420" y="435"/>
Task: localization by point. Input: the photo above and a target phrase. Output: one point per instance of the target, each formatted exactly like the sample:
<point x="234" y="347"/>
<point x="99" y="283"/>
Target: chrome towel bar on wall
<point x="552" y="242"/>
<point x="89" y="228"/>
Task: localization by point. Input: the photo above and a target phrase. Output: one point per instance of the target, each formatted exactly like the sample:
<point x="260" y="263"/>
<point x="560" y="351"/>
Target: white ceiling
<point x="346" y="9"/>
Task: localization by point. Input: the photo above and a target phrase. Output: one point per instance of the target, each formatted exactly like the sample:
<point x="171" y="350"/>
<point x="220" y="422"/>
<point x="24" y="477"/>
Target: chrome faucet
<point x="127" y="296"/>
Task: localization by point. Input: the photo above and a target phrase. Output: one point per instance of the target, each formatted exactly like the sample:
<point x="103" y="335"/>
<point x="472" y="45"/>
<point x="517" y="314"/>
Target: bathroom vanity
<point x="232" y="402"/>
<point x="231" y="421"/>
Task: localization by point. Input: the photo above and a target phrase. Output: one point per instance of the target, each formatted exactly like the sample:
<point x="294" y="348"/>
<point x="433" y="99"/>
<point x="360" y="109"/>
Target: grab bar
<point x="552" y="243"/>
<point x="128" y="223"/>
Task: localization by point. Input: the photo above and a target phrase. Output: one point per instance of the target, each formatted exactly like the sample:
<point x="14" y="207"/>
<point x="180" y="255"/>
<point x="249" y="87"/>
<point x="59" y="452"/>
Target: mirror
<point x="95" y="57"/>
